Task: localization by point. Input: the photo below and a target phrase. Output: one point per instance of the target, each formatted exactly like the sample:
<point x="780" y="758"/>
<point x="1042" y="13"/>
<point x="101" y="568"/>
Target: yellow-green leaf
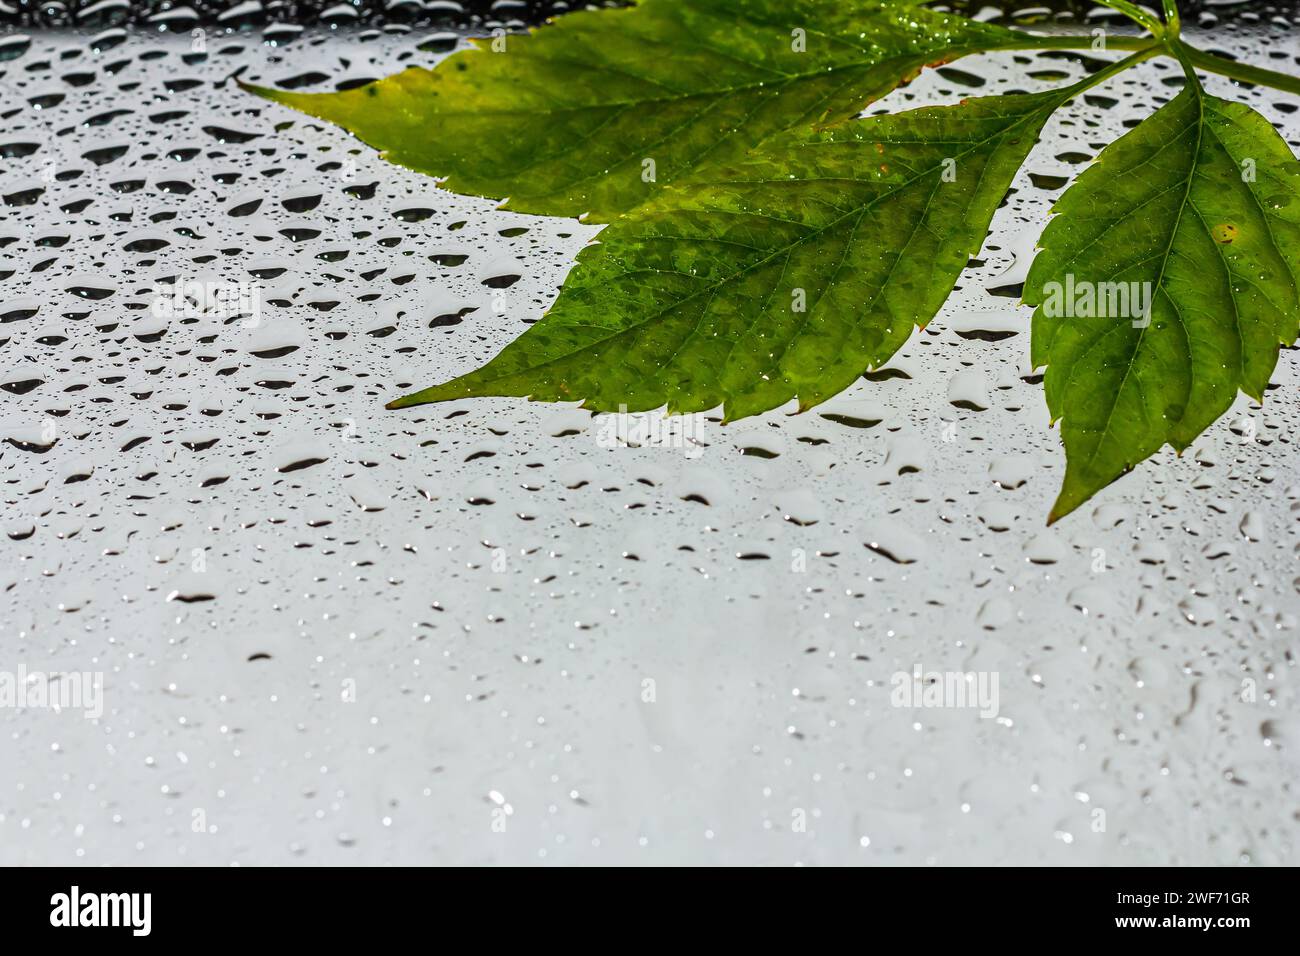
<point x="599" y="111"/>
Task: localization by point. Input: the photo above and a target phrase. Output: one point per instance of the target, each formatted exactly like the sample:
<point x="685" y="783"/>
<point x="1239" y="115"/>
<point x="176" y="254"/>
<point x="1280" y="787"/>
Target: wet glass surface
<point x="493" y="631"/>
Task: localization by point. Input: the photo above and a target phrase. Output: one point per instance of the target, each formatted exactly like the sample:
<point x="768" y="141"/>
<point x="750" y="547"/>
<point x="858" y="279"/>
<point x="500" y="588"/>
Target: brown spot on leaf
<point x="1224" y="233"/>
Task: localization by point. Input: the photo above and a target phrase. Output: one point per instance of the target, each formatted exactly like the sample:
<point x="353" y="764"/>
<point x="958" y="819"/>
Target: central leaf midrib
<point x="1194" y="89"/>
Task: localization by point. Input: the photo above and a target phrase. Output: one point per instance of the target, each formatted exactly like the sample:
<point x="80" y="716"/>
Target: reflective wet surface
<point x="492" y="631"/>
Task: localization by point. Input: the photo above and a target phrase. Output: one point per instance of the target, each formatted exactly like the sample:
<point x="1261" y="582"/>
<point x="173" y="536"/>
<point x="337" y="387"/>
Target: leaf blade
<point x="563" y="121"/>
<point x="1171" y="204"/>
<point x="786" y="276"/>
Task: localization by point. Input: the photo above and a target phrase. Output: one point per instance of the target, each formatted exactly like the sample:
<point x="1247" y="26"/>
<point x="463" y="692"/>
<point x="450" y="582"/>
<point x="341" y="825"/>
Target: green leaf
<point x="786" y="275"/>
<point x="1198" y="202"/>
<point x="567" y="120"/>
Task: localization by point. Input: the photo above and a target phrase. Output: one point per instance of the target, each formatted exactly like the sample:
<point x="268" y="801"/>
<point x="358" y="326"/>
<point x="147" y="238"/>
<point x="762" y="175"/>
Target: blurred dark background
<point x="178" y="15"/>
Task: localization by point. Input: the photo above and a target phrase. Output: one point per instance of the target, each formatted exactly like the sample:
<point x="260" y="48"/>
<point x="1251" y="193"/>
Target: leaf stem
<point x="1172" y="23"/>
<point x="1119" y="66"/>
<point x="1138" y="15"/>
<point x="1244" y="72"/>
<point x="1171" y="46"/>
<point x="1065" y="41"/>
